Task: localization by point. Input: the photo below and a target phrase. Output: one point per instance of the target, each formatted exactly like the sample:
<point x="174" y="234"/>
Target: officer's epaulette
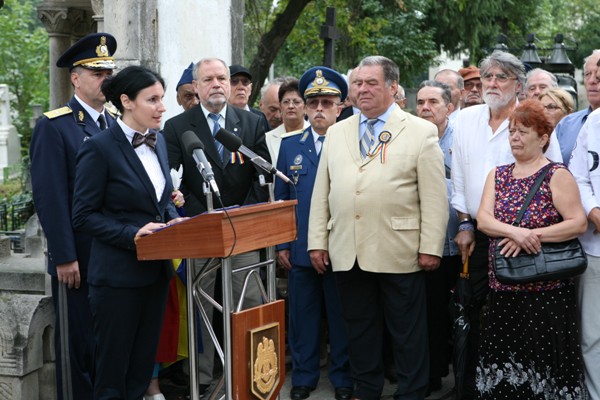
<point x="59" y="112"/>
<point x="292" y="133"/>
<point x="112" y="110"/>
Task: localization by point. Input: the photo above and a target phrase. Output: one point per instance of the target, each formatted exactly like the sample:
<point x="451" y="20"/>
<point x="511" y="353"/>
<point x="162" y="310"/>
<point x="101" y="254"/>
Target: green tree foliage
<point x="393" y="28"/>
<point x="24" y="65"/>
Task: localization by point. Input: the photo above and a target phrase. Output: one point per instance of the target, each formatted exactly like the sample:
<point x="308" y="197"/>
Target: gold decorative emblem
<point x="264" y="368"/>
<point x="385" y="136"/>
<point x="81" y="116"/>
<point x="320" y="79"/>
<point x="102" y="48"/>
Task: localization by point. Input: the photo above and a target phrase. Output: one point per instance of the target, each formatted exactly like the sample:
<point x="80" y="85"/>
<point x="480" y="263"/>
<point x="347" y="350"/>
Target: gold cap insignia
<point x="102" y="48"/>
<point x="321" y="86"/>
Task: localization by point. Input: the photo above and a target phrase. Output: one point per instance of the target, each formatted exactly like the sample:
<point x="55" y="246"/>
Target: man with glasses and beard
<point x="480" y="144"/>
<point x="310" y="290"/>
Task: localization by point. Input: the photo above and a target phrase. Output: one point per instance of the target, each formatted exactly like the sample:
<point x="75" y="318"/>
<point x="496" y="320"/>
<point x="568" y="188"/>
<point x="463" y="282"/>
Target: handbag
<point x="555" y="261"/>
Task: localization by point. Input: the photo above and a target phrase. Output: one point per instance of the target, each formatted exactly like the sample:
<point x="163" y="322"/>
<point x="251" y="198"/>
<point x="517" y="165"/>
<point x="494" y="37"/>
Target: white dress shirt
<point x="585" y="166"/>
<point x="476" y="150"/>
<point x="149" y="160"/>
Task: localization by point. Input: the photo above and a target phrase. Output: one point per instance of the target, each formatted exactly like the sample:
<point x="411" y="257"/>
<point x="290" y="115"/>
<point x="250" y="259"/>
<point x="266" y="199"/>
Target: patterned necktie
<point x="216" y="127"/>
<point x="368" y="137"/>
<point x="320" y="139"/>
<point x="102" y="122"/>
<point x="149" y="140"/>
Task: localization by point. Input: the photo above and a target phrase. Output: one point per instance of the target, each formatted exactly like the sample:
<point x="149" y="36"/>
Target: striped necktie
<point x="368" y="137"/>
<point x="216" y="127"/>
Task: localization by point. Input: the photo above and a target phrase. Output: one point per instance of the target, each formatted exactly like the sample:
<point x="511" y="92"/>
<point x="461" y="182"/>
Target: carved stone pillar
<point x="98" y="17"/>
<point x="63" y="25"/>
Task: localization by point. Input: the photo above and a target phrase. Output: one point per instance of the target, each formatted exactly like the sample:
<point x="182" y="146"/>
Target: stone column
<point x="98" y="17"/>
<point x="63" y="25"/>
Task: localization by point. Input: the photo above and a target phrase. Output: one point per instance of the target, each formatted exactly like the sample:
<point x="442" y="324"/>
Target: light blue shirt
<point x="566" y="132"/>
<point x="450" y="248"/>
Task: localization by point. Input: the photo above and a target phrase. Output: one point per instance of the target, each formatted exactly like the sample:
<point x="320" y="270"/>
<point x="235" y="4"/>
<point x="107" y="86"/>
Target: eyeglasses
<point x="551" y="107"/>
<point x="469" y="85"/>
<point x="243" y="81"/>
<point x="500" y="77"/>
<point x="289" y="102"/>
<point x="326" y="104"/>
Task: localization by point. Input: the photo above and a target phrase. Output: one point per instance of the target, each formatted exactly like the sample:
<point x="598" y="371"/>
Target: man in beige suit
<point x="378" y="219"/>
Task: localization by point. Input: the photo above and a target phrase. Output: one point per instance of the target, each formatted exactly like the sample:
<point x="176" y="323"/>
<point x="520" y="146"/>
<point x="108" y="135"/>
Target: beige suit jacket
<point x="382" y="214"/>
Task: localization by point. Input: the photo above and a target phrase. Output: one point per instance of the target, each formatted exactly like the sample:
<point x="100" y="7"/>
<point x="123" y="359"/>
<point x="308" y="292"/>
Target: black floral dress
<point x="530" y="347"/>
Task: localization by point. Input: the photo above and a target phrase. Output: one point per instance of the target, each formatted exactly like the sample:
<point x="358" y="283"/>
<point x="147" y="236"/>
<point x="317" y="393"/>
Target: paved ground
<point x="324" y="390"/>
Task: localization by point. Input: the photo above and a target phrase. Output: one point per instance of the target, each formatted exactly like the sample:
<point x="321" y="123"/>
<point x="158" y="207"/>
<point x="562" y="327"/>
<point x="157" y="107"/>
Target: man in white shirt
<point x="584" y="165"/>
<point x="480" y="144"/>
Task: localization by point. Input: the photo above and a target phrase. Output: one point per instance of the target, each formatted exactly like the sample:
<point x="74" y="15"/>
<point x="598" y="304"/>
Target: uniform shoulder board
<point x="292" y="133"/>
<point x="112" y="110"/>
<point x="59" y="112"/>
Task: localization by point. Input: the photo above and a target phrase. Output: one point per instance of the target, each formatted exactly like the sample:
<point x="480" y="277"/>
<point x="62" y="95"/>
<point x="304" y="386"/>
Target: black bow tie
<point x="149" y="139"/>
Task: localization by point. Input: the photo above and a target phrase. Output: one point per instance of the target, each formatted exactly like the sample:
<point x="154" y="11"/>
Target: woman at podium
<point x="122" y="192"/>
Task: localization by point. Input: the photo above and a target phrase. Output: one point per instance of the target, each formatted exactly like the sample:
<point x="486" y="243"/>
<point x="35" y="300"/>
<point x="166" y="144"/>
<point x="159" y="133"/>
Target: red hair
<point x="531" y="114"/>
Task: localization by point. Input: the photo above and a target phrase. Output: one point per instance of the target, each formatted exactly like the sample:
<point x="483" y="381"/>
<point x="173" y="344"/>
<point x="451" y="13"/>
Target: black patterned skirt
<point x="530" y="347"/>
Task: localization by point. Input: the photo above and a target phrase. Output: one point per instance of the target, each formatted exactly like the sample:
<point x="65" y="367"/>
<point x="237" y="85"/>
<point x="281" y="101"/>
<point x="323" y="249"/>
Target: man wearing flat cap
<point x="241" y="87"/>
<point x="186" y="95"/>
<point x="56" y="139"/>
<point x="310" y="290"/>
<point x="378" y="218"/>
<point x="472" y="91"/>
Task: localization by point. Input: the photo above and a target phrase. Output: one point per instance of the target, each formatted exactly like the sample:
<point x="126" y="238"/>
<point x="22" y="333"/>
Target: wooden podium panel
<point x="253" y="331"/>
<point x="210" y="235"/>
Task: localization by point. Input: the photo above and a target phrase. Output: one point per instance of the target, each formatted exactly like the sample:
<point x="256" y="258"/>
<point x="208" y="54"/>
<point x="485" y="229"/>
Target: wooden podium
<point x="221" y="235"/>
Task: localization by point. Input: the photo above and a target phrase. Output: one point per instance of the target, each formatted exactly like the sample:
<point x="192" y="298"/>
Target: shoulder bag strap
<point x="532" y="191"/>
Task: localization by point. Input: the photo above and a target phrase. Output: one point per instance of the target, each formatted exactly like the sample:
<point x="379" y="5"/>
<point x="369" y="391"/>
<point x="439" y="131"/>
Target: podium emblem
<point x="265" y="374"/>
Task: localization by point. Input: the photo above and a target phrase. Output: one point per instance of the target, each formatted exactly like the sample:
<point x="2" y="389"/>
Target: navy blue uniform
<point x="56" y="140"/>
<point x="308" y="290"/>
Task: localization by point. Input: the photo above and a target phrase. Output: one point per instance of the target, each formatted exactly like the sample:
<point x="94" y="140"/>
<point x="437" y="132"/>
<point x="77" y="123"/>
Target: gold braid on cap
<point x="320" y="86"/>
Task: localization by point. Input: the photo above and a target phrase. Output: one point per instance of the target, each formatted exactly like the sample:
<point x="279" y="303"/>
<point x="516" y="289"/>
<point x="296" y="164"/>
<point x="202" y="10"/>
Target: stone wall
<point x="27" y="369"/>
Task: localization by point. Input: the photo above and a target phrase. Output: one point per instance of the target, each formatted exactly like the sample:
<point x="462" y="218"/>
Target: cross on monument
<point x="329" y="33"/>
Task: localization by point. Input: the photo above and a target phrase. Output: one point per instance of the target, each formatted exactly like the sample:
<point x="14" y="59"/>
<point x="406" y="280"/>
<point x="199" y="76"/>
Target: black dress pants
<point x="370" y="301"/>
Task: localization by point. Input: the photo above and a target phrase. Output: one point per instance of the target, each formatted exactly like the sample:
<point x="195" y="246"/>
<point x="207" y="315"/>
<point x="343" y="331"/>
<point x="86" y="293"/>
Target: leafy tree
<point x="24" y="66"/>
<point x="396" y="29"/>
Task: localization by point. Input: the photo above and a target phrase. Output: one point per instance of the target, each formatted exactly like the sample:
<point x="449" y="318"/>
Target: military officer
<point x="54" y="145"/>
<point x="309" y="289"/>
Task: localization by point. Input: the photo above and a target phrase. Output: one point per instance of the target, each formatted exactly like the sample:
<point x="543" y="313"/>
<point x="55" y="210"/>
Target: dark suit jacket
<point x="54" y="145"/>
<point x="238" y="182"/>
<point x="346" y="113"/>
<point x="264" y="118"/>
<point x="113" y="199"/>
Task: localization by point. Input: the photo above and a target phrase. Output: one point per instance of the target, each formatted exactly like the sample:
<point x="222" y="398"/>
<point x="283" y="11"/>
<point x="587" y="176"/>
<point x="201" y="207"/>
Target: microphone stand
<point x="270" y="186"/>
<point x="209" y="197"/>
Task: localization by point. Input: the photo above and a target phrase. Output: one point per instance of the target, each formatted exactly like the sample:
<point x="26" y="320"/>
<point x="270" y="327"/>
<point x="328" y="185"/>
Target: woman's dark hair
<point x="531" y="114"/>
<point x="129" y="81"/>
<point x="290" y="85"/>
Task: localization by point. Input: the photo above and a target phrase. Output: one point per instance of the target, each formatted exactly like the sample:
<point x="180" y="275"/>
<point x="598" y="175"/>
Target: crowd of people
<point x="391" y="207"/>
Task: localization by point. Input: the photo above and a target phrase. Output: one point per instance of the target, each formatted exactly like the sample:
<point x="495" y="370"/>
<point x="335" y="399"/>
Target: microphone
<point x="195" y="146"/>
<point x="234" y="143"/>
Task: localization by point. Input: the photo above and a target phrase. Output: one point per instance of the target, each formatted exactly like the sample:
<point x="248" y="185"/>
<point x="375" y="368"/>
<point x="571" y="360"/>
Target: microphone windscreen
<point x="191" y="142"/>
<point x="228" y="139"/>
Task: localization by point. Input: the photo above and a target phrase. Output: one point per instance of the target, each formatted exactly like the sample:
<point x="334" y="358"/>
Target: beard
<point x="496" y="102"/>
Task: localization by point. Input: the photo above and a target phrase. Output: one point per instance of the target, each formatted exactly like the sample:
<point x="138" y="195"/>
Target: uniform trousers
<point x="588" y="290"/>
<point x="252" y="298"/>
<point x="370" y="300"/>
<point x="127" y="324"/>
<point x="80" y="340"/>
<point x="308" y="293"/>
